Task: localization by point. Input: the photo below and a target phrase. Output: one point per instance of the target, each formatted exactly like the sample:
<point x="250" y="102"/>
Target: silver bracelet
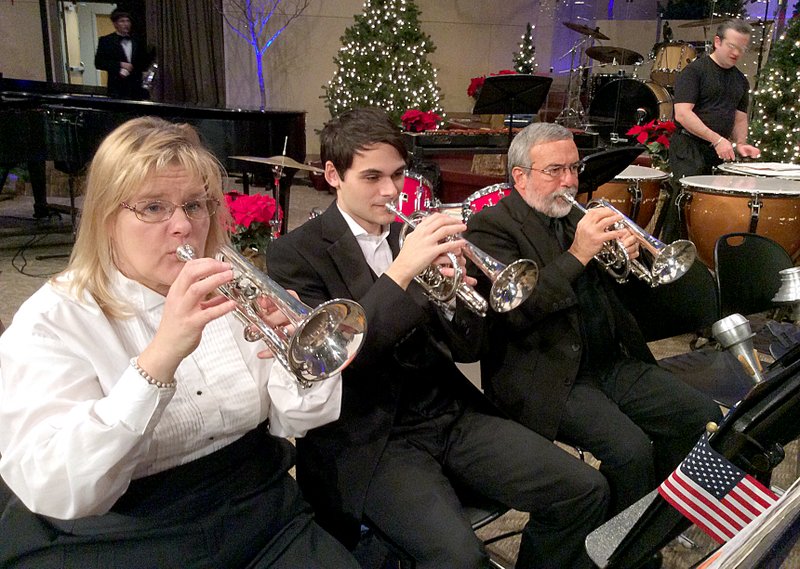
<point x="149" y="378"/>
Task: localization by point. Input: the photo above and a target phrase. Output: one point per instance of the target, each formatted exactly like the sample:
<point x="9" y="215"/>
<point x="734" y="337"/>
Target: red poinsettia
<point x="655" y="136"/>
<point x="251" y="216"/>
<point x="476" y="83"/>
<point x="415" y="120"/>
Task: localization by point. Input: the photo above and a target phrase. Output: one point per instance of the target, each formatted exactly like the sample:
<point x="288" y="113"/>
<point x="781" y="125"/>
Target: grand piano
<point x="65" y="123"/>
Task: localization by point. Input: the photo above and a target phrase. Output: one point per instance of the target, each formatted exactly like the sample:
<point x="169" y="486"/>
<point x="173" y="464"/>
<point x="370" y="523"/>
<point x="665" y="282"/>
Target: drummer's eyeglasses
<point x="734" y="47"/>
<point x="558" y="171"/>
<point x="154" y="211"/>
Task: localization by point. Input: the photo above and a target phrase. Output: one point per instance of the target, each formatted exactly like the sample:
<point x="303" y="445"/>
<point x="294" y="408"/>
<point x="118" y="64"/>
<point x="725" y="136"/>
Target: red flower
<point x="415" y="120"/>
<point x="475" y="85"/>
<point x="663" y="140"/>
<point x="247" y="209"/>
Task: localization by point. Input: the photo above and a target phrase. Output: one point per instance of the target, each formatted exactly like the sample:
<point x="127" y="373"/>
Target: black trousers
<point x="412" y="498"/>
<point x="236" y="508"/>
<point x="640" y="421"/>
<point x="688" y="156"/>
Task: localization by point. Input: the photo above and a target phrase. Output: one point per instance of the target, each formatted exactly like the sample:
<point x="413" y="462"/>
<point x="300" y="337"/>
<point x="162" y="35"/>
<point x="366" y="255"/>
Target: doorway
<point x="81" y="24"/>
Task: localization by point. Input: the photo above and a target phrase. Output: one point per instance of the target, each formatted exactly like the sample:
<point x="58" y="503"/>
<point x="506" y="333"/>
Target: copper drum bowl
<point x="716" y="205"/>
<point x="634" y="192"/>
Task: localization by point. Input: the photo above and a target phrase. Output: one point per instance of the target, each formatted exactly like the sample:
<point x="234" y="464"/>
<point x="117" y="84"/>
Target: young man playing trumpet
<point x="571" y="362"/>
<point x="412" y="427"/>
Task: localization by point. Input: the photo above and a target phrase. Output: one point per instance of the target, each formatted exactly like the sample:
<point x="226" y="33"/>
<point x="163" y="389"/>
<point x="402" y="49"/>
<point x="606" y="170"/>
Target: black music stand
<point x="602" y="167"/>
<point x="509" y="94"/>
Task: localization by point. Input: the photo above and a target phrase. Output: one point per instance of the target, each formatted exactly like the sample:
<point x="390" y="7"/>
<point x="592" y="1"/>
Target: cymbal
<point x="707" y="23"/>
<point x="618" y="55"/>
<point x="586" y="30"/>
<point x="284" y="161"/>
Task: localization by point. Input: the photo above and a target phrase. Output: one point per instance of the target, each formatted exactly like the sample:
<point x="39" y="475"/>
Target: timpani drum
<point x="485" y="197"/>
<point x="716" y="205"/>
<point x="417" y="194"/>
<point x="761" y="169"/>
<point x="634" y="192"/>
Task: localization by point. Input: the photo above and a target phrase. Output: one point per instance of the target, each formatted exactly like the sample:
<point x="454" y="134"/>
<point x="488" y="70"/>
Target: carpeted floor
<point x="32" y="250"/>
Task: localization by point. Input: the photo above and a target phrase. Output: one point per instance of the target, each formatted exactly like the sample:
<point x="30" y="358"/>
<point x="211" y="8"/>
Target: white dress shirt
<point x="78" y="423"/>
<point x="375" y="247"/>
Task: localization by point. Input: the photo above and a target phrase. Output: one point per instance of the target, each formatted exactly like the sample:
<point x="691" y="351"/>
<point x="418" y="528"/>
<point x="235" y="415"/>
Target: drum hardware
<point x="573" y="113"/>
<point x="325" y="339"/>
<point x="511" y="284"/>
<point x="667" y="263"/>
<point x="734" y="333"/>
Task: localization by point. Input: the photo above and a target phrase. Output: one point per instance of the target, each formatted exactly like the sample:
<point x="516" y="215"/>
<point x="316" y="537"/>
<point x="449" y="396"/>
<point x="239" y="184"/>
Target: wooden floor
<point x="26" y="250"/>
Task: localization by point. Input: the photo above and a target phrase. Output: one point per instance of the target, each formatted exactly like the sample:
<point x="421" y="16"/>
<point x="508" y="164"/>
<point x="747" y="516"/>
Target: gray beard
<point x="551" y="205"/>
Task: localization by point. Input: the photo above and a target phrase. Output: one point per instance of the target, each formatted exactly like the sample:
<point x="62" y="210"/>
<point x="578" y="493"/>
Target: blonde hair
<point x="126" y="159"/>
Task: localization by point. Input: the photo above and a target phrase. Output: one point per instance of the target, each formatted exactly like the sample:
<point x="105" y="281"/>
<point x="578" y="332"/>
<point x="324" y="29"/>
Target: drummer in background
<point x="571" y="362"/>
<point x="134" y="416"/>
<point x="711" y="98"/>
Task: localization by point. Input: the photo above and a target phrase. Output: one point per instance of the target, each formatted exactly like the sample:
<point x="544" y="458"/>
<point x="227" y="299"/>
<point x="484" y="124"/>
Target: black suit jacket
<point x="406" y="337"/>
<point x="534" y="351"/>
<point x="108" y="57"/>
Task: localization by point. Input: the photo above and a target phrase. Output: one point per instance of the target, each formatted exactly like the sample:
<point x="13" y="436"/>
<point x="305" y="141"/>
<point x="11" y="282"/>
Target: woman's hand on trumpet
<point x="189" y="306"/>
<point x="592" y="232"/>
<point x="430" y="242"/>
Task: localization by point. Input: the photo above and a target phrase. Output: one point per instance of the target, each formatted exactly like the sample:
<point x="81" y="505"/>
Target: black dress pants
<point x="688" y="156"/>
<point x="236" y="508"/>
<point x="640" y="421"/>
<point x="412" y="499"/>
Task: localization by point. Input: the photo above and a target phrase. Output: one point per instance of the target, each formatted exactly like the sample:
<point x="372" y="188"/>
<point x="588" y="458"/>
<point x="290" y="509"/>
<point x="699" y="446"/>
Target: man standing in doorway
<point x="123" y="57"/>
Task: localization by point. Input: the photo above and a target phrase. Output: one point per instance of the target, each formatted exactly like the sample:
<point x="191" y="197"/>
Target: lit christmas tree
<point x="383" y="62"/>
<point x="775" y="128"/>
<point x="525" y="58"/>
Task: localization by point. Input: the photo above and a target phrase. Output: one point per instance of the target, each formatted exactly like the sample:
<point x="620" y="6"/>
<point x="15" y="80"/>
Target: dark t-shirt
<point x="717" y="93"/>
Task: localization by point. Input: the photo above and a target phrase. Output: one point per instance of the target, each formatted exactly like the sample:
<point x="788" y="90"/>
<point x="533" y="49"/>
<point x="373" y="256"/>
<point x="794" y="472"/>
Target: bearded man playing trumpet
<point x="138" y="427"/>
<point x="412" y="427"/>
<point x="571" y="362"/>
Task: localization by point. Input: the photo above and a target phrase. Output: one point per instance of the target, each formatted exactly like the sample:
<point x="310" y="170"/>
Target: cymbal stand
<point x="277" y="174"/>
<point x="573" y="113"/>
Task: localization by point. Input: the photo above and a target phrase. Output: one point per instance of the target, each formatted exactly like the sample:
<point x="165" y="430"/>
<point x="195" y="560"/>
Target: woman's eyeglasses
<point x="154" y="211"/>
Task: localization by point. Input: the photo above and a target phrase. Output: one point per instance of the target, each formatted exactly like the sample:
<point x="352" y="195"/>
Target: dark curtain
<point x="188" y="38"/>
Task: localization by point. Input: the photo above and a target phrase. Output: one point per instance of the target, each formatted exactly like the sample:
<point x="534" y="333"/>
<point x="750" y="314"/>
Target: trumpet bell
<point x="327" y="340"/>
<point x="513" y="285"/>
<point x="673" y="261"/>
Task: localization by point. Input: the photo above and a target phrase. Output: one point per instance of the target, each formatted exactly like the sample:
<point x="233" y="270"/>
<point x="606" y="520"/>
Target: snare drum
<point x="485" y="197"/>
<point x="762" y="169"/>
<point x="716" y="205"/>
<point x="634" y="192"/>
<point x="417" y="194"/>
<point x="669" y="59"/>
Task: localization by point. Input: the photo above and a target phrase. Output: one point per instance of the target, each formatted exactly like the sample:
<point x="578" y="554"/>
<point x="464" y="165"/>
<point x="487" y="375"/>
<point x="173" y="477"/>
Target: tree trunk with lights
<point x="383" y="63"/>
<point x="525" y="58"/>
<point x="259" y="23"/>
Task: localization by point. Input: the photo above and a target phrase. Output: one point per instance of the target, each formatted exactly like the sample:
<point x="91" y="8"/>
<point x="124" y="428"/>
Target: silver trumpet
<point x="511" y="284"/>
<point x="325" y="339"/>
<point x="662" y="264"/>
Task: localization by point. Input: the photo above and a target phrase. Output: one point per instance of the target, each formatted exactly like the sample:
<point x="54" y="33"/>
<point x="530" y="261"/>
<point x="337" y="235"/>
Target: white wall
<point x="21" y="51"/>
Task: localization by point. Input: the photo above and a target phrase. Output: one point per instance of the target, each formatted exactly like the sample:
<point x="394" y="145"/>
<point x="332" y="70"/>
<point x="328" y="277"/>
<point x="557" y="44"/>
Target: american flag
<point x="714" y="494"/>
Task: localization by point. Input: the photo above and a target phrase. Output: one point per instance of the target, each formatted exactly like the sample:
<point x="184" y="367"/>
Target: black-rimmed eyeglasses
<point x="154" y="211"/>
<point x="558" y="170"/>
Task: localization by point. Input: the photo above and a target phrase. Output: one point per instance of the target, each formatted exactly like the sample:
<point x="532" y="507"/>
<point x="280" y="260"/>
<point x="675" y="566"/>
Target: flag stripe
<point x="694" y="516"/>
<point x="709" y="503"/>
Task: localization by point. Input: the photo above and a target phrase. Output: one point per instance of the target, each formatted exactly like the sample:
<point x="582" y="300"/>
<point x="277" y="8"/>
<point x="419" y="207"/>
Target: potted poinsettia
<point x="415" y="120"/>
<point x="655" y="137"/>
<point x="253" y="216"/>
